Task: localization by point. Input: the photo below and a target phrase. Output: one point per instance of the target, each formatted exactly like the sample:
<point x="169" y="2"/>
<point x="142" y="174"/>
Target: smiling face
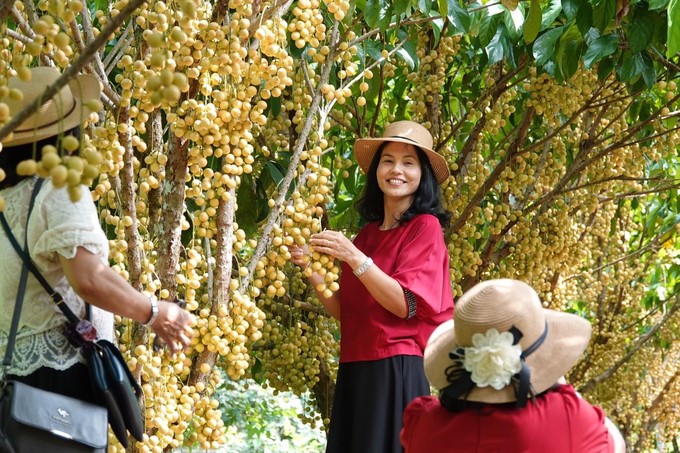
<point x="399" y="173"/>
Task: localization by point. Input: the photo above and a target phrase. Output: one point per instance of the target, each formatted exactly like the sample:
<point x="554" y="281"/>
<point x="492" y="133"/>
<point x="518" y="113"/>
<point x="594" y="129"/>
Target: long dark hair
<point x="426" y="199"/>
<point x="12" y="155"/>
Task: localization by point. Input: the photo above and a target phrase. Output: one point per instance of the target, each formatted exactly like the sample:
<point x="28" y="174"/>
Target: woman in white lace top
<point x="68" y="246"/>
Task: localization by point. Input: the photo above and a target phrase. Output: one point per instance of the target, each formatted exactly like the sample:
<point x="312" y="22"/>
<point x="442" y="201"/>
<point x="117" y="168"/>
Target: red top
<point x="415" y="255"/>
<point x="557" y="422"/>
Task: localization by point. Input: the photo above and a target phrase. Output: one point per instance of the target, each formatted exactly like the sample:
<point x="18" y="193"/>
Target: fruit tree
<point x="225" y="136"/>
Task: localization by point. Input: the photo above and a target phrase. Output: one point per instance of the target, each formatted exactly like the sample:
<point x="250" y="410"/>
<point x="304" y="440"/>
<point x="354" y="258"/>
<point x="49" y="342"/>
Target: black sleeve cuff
<point x="411" y="302"/>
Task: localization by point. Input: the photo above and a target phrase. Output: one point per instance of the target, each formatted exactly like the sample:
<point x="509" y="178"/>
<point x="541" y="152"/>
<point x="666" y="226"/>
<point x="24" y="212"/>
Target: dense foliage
<point x="226" y="136"/>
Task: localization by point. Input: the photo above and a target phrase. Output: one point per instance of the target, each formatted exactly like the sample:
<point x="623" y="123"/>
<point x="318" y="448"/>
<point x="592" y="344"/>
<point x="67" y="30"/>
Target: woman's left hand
<point x="337" y="245"/>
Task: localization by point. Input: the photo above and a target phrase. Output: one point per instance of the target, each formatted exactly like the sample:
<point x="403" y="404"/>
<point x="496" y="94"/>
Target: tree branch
<point x="495" y="174"/>
<point x="5" y="8"/>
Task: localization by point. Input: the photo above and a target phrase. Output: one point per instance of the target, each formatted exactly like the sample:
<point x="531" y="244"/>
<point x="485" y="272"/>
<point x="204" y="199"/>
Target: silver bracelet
<point x="359" y="271"/>
<point x="154" y="311"/>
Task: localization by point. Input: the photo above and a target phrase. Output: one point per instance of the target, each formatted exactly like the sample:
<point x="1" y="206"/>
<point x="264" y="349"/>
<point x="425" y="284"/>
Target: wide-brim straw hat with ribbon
<point x="557" y="339"/>
<point x="66" y="110"/>
<point x="402" y="132"/>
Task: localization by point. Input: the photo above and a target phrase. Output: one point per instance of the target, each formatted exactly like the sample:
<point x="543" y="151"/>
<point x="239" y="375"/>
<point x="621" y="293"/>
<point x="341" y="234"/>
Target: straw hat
<point x="63" y="112"/>
<point x="403" y="132"/>
<point x="551" y="342"/>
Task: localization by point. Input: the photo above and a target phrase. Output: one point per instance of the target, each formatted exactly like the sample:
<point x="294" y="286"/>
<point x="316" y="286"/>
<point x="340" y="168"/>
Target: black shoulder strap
<point x="11" y="339"/>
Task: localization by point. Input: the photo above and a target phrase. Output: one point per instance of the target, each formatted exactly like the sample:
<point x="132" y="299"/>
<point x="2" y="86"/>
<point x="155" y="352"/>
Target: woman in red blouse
<point x="498" y="367"/>
<point x="394" y="288"/>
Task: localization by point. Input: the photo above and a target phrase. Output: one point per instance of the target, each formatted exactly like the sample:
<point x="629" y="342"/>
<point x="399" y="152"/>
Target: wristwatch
<point x="154" y="311"/>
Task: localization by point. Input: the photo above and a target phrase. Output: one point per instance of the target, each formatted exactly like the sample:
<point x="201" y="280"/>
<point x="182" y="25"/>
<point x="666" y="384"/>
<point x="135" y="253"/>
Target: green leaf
<point x="584" y="18"/>
<point x="657" y="4"/>
<point x="637" y="86"/>
<point x="498" y="47"/>
<point x="372" y="13"/>
<point x="296" y="52"/>
<point x="631" y="67"/>
<point x="641" y="30"/>
<point x="600" y="48"/>
<point x="425" y="6"/>
<point x="569" y="61"/>
<point x="648" y="70"/>
<point x="373" y="49"/>
<point x="408" y="55"/>
<point x="544" y="47"/>
<point x="634" y="113"/>
<point x="275" y="172"/>
<point x="488" y="27"/>
<point x="673" y="43"/>
<point x="550" y="13"/>
<point x="550" y="68"/>
<point x="247" y="218"/>
<point x="591" y="36"/>
<point x="274" y="106"/>
<point x="603" y="14"/>
<point x="458" y="16"/>
<point x="400" y="7"/>
<point x="443" y="7"/>
<point x="568" y="54"/>
<point x="604" y="68"/>
<point x="571" y="7"/>
<point x="652" y="218"/>
<point x="532" y="24"/>
<point x="385" y="16"/>
<point x="514" y="20"/>
<point x="351" y="181"/>
<point x="437" y="26"/>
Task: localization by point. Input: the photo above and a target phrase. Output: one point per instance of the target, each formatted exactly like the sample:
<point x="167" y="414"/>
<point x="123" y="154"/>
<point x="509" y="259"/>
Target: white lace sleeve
<point x="67" y="225"/>
<point x="57" y="226"/>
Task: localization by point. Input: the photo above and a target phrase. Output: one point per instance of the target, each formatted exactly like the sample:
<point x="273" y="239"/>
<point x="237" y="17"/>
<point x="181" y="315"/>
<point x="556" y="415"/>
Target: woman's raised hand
<point x="173" y="326"/>
<point x="337" y="245"/>
<point x="300" y="255"/>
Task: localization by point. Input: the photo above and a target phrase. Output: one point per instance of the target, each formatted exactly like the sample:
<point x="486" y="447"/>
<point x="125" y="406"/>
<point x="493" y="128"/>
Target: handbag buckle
<point x="81" y="333"/>
<point x="87" y="331"/>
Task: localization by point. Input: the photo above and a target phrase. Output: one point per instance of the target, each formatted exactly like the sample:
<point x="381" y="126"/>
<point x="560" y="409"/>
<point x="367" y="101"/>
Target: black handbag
<point x="36" y="420"/>
<point x="111" y="379"/>
<point x="117" y="389"/>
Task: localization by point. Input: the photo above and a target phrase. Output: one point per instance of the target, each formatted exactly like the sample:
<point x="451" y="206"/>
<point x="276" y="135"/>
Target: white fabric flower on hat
<point x="493" y="359"/>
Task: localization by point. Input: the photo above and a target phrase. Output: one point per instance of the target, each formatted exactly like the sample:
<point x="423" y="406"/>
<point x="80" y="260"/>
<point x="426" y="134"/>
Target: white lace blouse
<point x="57" y="226"/>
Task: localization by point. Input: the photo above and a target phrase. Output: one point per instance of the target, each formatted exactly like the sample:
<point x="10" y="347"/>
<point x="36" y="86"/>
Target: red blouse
<point x="415" y="255"/>
<point x="557" y="422"/>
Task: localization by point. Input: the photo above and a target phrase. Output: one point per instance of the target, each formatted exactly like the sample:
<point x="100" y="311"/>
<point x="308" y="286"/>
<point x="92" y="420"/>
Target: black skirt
<point x="73" y="381"/>
<point x="369" y="400"/>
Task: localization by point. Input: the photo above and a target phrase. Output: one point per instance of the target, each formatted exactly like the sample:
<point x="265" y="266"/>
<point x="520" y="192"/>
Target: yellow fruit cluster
<point x="427" y="83"/>
<point x="292" y="364"/>
<point x="236" y="325"/>
<point x="308" y="26"/>
<point x="70" y="166"/>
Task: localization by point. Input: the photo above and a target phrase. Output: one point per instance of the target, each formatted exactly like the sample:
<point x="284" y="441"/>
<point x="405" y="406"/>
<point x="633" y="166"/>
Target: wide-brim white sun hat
<point x="403" y="132"/>
<point x="66" y="110"/>
<point x="507" y="305"/>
